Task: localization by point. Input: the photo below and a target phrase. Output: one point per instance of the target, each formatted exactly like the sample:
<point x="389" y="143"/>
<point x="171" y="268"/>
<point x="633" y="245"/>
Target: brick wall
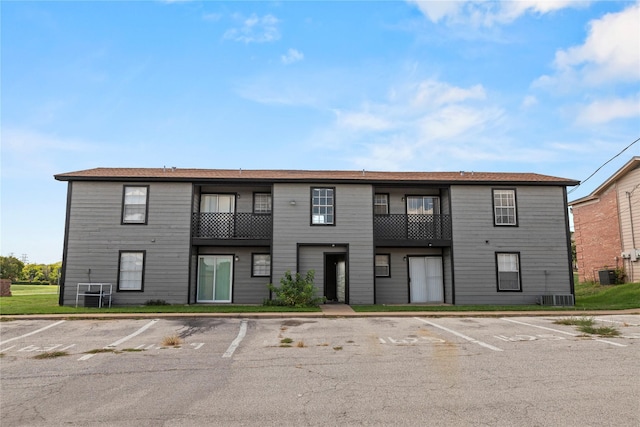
<point x="597" y="235"/>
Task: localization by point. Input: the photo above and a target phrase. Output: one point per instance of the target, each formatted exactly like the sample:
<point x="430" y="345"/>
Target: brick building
<point x="606" y="235"/>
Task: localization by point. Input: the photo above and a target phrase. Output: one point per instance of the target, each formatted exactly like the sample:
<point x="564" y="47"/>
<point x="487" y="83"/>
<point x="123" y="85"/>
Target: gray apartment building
<point x="202" y="236"/>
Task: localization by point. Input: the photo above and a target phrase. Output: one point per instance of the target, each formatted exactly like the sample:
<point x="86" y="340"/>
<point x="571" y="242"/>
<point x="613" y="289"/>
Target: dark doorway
<point x="335" y="277"/>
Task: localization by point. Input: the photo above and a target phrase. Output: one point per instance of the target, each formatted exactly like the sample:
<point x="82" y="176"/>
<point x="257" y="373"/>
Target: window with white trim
<point x="134" y="204"/>
<point x="131" y="270"/>
<point x="261" y="265"/>
<point x="508" y="266"/>
<point x="381" y="204"/>
<point x="262" y="203"/>
<point x="322" y="206"/>
<point x="504" y="207"/>
<point x="383" y="265"/>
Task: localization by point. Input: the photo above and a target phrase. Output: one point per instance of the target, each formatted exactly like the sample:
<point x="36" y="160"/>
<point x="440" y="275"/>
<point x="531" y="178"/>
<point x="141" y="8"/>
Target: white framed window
<point x="262" y="203"/>
<point x="131" y="271"/>
<point x="134" y="204"/>
<point x="322" y="206"/>
<point x="508" y="268"/>
<point x="381" y="204"/>
<point x="261" y="265"/>
<point x="383" y="265"/>
<point x="504" y="207"/>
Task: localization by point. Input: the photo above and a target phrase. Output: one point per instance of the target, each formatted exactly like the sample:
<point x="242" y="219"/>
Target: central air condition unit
<point x="555" y="300"/>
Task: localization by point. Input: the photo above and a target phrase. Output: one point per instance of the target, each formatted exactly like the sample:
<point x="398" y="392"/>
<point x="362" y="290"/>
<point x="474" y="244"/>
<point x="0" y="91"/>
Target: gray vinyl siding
<point x="395" y="289"/>
<point x="540" y="238"/>
<point x="312" y="258"/>
<point x="245" y="289"/>
<point x="353" y="226"/>
<point x="96" y="236"/>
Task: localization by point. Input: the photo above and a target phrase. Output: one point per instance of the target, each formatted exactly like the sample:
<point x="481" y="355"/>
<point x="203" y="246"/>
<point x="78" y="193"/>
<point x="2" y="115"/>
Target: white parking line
<point x="458" y="334"/>
<point x="121" y="340"/>
<point x="237" y="341"/>
<point x="31" y="333"/>
<point x="138" y="332"/>
<point x="600" y="319"/>
<point x="559" y="331"/>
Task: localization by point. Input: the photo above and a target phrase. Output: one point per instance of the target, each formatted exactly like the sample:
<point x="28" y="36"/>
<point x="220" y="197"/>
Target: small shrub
<point x="300" y="344"/>
<point x="337" y="348"/>
<point x="295" y="291"/>
<point x="171" y="341"/>
<point x="132" y="349"/>
<point x="576" y="321"/>
<point x="602" y="331"/>
<point x="286" y="341"/>
<point x="51" y="354"/>
<point x="100" y="350"/>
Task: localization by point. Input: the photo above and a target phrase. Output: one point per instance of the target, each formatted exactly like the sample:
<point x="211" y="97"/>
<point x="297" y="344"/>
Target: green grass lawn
<point x="38" y="299"/>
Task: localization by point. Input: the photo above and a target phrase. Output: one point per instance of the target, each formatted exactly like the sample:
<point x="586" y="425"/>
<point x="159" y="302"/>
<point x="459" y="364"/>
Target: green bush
<point x="295" y="291"/>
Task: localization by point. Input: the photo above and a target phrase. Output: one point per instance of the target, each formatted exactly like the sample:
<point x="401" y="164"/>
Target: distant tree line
<point x="15" y="270"/>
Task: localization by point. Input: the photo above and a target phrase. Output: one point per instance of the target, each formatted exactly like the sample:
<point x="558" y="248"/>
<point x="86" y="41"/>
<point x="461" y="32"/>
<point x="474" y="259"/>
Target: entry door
<point x="219" y="210"/>
<point x="425" y="278"/>
<point x="335" y="277"/>
<point x="215" y="274"/>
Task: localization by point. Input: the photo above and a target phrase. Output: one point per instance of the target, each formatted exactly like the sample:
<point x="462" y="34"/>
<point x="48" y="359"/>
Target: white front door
<point x="215" y="277"/>
<point x="425" y="278"/>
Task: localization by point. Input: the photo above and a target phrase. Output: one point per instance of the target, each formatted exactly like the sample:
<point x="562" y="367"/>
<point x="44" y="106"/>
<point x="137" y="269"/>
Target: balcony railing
<point x="226" y="226"/>
<point x="412" y="227"/>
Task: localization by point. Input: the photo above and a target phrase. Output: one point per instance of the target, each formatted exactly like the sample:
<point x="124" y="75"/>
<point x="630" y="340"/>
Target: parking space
<point x="253" y="338"/>
<point x="87" y="338"/>
<point x="333" y="370"/>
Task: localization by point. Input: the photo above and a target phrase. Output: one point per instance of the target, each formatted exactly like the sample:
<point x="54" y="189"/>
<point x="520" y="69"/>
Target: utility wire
<point x="603" y="165"/>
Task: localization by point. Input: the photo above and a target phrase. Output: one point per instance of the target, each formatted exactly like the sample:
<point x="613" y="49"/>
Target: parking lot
<point x="319" y="371"/>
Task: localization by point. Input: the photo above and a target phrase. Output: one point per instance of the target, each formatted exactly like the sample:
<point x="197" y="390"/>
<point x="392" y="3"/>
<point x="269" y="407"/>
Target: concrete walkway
<point x="337" y="310"/>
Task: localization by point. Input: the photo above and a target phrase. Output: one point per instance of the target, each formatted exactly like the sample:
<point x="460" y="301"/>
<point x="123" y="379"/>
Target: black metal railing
<point x="215" y="225"/>
<point x="412" y="227"/>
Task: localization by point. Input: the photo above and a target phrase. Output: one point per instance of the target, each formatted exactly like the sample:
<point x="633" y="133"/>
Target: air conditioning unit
<point x="562" y="300"/>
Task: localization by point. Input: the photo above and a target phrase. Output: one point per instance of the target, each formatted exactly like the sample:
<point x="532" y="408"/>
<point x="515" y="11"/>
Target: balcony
<point x="412" y="230"/>
<point x="231" y="228"/>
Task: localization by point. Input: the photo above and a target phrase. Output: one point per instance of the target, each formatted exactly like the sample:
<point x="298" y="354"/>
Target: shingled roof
<point x="214" y="175"/>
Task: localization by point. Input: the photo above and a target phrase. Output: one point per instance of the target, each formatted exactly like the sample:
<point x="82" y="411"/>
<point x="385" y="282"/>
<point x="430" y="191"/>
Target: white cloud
<point x="435" y="94"/>
<point x="603" y="111"/>
<point x="362" y="121"/>
<point x="255" y="29"/>
<point x="529" y="101"/>
<point x="610" y="52"/>
<point x="292" y="56"/>
<point x="488" y="13"/>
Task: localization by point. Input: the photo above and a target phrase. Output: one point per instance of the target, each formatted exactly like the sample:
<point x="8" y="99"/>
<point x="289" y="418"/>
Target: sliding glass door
<point x="215" y="274"/>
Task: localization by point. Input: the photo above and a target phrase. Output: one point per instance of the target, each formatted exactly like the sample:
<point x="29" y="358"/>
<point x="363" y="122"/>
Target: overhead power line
<point x="601" y="166"/>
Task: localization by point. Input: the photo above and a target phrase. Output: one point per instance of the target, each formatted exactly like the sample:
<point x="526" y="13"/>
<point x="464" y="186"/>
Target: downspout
<point x="568" y="232"/>
<point x="633" y="237"/>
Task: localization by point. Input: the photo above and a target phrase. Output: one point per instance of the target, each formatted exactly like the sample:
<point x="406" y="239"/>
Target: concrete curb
<point x="334" y="314"/>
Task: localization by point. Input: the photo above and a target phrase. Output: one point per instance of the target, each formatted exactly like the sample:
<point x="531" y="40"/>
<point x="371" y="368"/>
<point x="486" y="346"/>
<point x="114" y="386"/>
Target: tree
<point x="10" y="267"/>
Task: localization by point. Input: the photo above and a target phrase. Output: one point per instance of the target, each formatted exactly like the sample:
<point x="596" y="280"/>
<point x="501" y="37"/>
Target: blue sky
<point x="550" y="87"/>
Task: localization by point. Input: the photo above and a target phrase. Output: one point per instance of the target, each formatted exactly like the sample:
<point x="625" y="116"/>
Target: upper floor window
<point x="322" y="206"/>
<point x="504" y="207"/>
<point x="134" y="204"/>
<point x="262" y="203"/>
<point x="381" y="204"/>
<point x="508" y="266"/>
<point x="131" y="271"/>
